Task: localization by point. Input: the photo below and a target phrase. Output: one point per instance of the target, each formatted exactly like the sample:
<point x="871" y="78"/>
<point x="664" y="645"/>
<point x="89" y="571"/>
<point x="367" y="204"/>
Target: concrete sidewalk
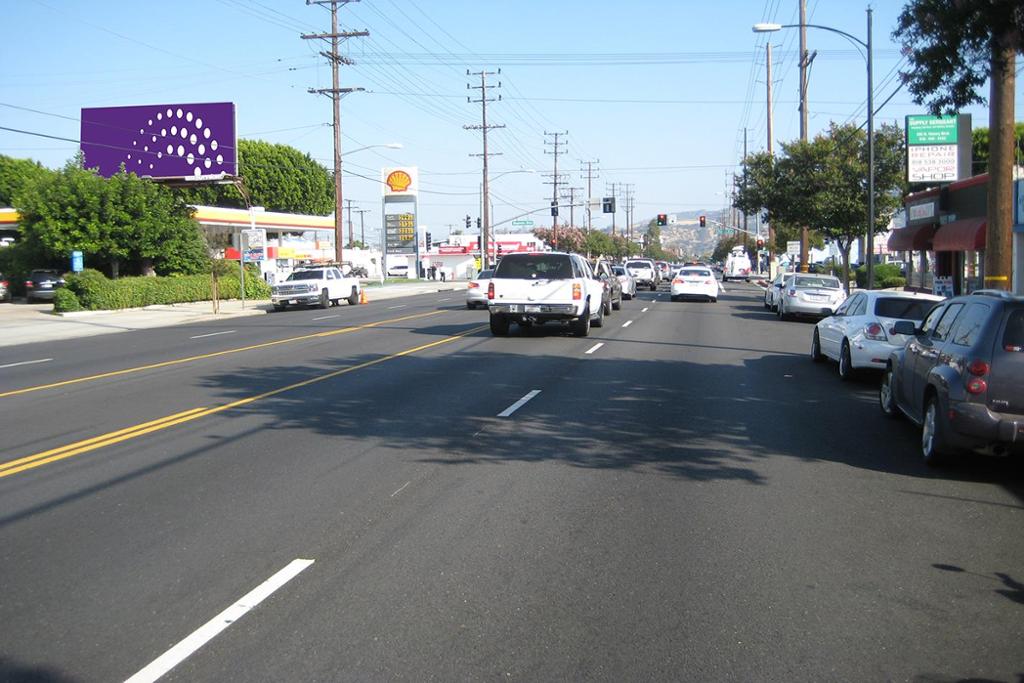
<point x="22" y="323"/>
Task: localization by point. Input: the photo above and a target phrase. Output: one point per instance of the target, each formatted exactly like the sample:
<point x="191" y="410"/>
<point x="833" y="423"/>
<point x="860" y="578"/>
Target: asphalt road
<point x="693" y="499"/>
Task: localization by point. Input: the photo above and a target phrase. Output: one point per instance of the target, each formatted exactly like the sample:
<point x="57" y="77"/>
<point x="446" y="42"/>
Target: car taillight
<point x="978" y="368"/>
<point x="875" y="331"/>
<point x="677" y="281"/>
<point x="474" y="285"/>
<point x="710" y="282"/>
<point x="977" y="384"/>
<point x="29" y="284"/>
<point x="577" y="291"/>
<point x="490" y="290"/>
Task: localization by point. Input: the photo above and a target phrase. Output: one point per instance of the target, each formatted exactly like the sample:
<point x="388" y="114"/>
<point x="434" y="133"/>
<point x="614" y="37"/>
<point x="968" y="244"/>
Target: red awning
<point x="915" y="238"/>
<point x="966" y="234"/>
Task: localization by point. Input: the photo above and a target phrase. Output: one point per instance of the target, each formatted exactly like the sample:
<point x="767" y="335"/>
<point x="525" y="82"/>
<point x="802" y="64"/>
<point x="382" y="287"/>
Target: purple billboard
<point x="161" y="140"/>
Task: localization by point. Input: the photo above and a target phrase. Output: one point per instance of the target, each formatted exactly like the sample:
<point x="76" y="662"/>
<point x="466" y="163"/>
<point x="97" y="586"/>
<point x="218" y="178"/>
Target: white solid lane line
<point x="213" y="334"/>
<point x="26" y="362"/>
<point x="205" y="633"/>
<point x="627" y="323"/>
<point x="518" y="404"/>
<point x="325" y="317"/>
<point x="593" y="348"/>
<point x="644" y="310"/>
<point x="394" y="307"/>
<point x="448" y="298"/>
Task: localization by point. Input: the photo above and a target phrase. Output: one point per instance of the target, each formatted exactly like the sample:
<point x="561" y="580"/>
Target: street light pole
<point x="769" y="28"/>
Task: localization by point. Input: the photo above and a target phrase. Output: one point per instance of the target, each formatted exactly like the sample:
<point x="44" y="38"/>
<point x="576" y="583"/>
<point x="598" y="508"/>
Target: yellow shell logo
<point x="398" y="181"/>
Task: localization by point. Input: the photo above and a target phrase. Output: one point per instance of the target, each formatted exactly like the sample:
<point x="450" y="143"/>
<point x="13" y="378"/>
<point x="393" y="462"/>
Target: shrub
<point x="65" y="301"/>
<point x="890" y="282"/>
<point x="882" y="271"/>
<point x="94" y="291"/>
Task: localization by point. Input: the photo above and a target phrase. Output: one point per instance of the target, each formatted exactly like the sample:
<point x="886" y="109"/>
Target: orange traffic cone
<point x="362" y="297"/>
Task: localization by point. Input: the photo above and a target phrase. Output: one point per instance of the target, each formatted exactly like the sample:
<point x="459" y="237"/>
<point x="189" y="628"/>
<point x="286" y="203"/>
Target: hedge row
<point x="92" y="290"/>
<point x="883" y="273"/>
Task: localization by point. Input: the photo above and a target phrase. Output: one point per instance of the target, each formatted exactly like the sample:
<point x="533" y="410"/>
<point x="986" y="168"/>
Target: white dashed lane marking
<point x="518" y="404"/>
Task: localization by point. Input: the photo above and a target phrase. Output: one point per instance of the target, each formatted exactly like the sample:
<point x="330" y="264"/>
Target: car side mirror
<point x="827" y="312"/>
<point x="904" y="327"/>
<point x="778" y="286"/>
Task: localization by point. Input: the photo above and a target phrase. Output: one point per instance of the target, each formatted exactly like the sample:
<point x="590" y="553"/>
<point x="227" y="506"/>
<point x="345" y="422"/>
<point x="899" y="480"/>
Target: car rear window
<point x="902" y="308"/>
<point x="307" y="275"/>
<point x="822" y="282"/>
<point x="534" y="267"/>
<point x="695" y="272"/>
<point x="1013" y="337"/>
<point x="618" y="270"/>
<point x="485" y="275"/>
<point x="638" y="264"/>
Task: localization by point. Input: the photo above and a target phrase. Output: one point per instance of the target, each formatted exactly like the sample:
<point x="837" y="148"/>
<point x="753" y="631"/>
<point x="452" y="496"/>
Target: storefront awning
<point x="914" y="238"/>
<point x="966" y="234"/>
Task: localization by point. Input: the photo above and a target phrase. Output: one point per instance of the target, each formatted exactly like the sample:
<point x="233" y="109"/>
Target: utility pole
<point x="362" y="227"/>
<point x="348" y="210"/>
<point x="557" y="148"/>
<point x="627" y="205"/>
<point x="746" y="230"/>
<point x="485" y="189"/>
<point x="771" y="136"/>
<point x="614" y="196"/>
<point x="805" y="61"/>
<point x="572" y="203"/>
<point x="590" y="178"/>
<point x="335" y="92"/>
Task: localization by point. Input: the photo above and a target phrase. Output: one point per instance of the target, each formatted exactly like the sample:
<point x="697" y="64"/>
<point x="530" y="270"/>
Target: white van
<point x="737" y="266"/>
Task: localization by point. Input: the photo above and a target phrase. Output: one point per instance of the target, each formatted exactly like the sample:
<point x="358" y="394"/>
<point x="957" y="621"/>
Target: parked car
<point x="5" y="289"/>
<point x="860" y="334"/>
<point x="476" y="290"/>
<point x="398" y="270"/>
<point x="536" y="288"/>
<point x="315" y="287"/>
<point x="961" y="376"/>
<point x="41" y="285"/>
<point x="693" y="282"/>
<point x="771" y="292"/>
<point x="627" y="282"/>
<point x="613" y="288"/>
<point x="644" y="272"/>
<point x="810" y="295"/>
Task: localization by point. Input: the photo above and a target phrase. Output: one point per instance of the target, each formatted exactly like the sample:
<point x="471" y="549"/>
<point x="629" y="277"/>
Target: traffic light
<point x="479" y="223"/>
<point x="703" y="221"/>
<point x="608" y="205"/>
<point x="662" y="219"/>
<point x="499" y="249"/>
<point x="469" y="222"/>
<point x="429" y="242"/>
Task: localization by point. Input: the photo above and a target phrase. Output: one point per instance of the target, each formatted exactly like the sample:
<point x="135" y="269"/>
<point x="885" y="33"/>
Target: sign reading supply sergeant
<point x="938" y="148"/>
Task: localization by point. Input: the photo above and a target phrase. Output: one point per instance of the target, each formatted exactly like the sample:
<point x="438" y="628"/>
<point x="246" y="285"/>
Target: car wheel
<point x="845" y="362"/>
<point x="353" y="298"/>
<point x="325" y="299"/>
<point x="280" y="307"/>
<point x="714" y="299"/>
<point x="886" y="397"/>
<point x="599" y="320"/>
<point x="470" y="306"/>
<point x="606" y="308"/>
<point x="654" y="287"/>
<point x="499" y="325"/>
<point x="780" y="312"/>
<point x="816" y="348"/>
<point x="934" y="442"/>
<point x="581" y="326"/>
<point x="617" y="305"/>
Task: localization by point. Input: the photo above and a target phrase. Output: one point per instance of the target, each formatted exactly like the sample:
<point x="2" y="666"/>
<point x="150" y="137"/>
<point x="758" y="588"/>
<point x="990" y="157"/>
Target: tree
<point x="15" y="174"/>
<point x="278" y="177"/>
<point x="123" y="220"/>
<point x="822" y="183"/>
<point x="953" y="48"/>
<point x="980" y="145"/>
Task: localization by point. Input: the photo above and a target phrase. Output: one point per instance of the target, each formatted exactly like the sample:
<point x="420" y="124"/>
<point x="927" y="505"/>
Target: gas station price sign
<point x="400" y="233"/>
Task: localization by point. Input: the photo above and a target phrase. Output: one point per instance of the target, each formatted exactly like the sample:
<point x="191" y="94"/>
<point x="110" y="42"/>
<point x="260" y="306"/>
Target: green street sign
<point x="525" y="224"/>
<point x="931" y="130"/>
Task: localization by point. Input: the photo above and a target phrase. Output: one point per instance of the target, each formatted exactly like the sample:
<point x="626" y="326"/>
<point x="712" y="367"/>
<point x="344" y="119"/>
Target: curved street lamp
<point x="484" y="241"/>
<point x="770" y="28"/>
<point x="389" y="145"/>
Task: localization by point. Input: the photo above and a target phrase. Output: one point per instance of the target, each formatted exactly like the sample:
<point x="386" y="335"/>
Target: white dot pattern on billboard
<point x="191" y="150"/>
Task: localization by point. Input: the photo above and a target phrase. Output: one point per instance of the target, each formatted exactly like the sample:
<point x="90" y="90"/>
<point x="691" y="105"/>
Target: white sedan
<point x="859" y="335"/>
<point x="476" y="291"/>
<point x="695" y="282"/>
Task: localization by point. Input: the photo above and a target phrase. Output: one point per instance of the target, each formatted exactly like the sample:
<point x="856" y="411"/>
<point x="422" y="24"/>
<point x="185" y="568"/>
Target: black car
<point x="961" y="376"/>
<point x="41" y="285"/>
<point x="612" y="286"/>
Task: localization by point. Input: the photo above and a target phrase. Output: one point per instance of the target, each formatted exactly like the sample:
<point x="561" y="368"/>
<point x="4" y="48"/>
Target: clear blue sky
<point x="660" y="92"/>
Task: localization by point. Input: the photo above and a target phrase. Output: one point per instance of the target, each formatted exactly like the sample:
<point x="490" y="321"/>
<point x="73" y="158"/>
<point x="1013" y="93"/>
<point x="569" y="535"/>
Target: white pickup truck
<point x="644" y="272"/>
<point x="530" y="289"/>
<point x="315" y="286"/>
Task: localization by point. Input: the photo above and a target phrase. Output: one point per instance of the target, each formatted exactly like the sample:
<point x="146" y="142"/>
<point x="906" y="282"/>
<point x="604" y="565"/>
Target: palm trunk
<point x="999" y="233"/>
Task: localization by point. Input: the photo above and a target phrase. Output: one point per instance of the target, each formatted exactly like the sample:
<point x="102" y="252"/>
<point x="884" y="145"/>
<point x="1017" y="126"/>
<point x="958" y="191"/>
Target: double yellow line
<point x="190" y="359"/>
<point x="54" y="454"/>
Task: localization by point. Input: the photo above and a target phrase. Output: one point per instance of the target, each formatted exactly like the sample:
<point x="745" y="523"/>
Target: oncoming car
<point x="693" y="282"/>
